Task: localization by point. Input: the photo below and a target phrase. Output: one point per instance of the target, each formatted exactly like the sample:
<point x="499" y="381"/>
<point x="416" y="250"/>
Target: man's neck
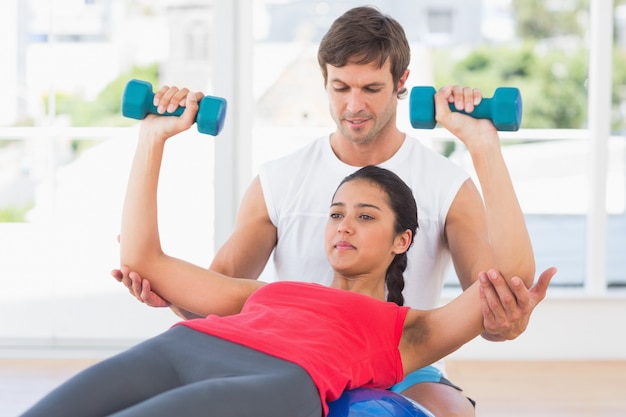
<point x="374" y="152"/>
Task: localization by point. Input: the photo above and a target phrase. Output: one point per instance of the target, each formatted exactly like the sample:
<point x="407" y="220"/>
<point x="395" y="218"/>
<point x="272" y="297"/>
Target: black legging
<point x="183" y="373"/>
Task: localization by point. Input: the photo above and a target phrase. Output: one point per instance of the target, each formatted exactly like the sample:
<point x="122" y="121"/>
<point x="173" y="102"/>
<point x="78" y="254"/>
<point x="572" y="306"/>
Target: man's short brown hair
<point x="363" y="35"/>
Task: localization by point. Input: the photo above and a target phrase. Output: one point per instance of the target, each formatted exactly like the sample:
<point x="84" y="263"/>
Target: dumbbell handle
<point x="481" y="111"/>
<point x="152" y="109"/>
<point x="422" y="108"/>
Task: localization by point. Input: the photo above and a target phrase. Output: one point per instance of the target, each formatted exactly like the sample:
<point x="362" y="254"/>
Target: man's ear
<point x="402" y="80"/>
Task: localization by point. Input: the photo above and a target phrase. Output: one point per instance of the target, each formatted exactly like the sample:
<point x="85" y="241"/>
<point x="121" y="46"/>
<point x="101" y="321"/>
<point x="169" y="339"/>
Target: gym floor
<point x="501" y="388"/>
<point x="543" y="389"/>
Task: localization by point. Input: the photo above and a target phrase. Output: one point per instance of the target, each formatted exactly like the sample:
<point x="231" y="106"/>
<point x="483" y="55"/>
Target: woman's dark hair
<point x="363" y="35"/>
<point x="401" y="200"/>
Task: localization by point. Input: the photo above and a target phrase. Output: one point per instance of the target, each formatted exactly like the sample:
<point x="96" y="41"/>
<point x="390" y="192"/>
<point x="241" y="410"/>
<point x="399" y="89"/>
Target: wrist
<point x="151" y="135"/>
<point x="483" y="144"/>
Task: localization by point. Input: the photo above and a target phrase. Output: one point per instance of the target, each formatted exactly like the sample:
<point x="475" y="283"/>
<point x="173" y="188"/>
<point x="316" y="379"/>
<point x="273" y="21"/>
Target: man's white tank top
<point x="298" y="190"/>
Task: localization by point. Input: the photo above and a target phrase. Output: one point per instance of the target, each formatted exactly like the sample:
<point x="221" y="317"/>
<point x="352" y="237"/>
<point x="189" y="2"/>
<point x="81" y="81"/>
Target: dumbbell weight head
<point x="137" y="103"/>
<point x="504" y="109"/>
<point x="137" y="99"/>
<point x="211" y="115"/>
<point x="422" y="107"/>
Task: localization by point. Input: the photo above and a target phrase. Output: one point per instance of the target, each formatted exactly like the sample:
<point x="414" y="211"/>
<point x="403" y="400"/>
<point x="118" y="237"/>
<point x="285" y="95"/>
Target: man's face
<point x="362" y="100"/>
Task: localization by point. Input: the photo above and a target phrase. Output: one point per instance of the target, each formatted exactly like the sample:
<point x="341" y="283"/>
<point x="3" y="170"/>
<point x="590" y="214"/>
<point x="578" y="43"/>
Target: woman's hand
<point x="474" y="133"/>
<point x="168" y="99"/>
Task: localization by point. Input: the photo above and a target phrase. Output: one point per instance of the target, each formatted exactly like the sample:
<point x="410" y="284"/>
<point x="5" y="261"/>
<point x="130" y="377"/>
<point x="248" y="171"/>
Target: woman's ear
<point x="403" y="241"/>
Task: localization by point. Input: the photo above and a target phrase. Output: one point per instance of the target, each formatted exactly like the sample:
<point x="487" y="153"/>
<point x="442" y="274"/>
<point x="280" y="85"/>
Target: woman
<point x="280" y="349"/>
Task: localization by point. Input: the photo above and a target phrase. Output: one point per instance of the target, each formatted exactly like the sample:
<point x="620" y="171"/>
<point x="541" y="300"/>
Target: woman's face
<point x="360" y="236"/>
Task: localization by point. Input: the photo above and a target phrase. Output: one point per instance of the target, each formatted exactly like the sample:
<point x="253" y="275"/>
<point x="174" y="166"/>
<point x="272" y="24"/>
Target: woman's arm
<point x="244" y="254"/>
<point x="501" y="221"/>
<point x="188" y="286"/>
<point x="431" y="335"/>
<point x="488" y="231"/>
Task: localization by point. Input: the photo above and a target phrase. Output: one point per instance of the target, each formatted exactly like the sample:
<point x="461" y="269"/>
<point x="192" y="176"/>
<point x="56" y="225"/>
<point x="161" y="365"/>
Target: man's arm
<point x="467" y="235"/>
<point x="247" y="250"/>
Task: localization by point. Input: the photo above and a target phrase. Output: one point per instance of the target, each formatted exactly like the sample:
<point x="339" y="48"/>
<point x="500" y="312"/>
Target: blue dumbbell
<point x="137" y="104"/>
<point x="504" y="109"/>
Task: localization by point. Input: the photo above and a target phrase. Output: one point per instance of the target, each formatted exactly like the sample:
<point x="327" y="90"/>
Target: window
<point x="65" y="149"/>
<point x="484" y="44"/>
<point x="440" y="22"/>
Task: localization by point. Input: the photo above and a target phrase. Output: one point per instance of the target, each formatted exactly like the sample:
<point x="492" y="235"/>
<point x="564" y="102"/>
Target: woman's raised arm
<point x="189" y="286"/>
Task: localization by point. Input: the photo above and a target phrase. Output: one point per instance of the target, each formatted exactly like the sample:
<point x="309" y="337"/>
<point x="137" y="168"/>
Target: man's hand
<point x="507" y="309"/>
<point x="139" y="287"/>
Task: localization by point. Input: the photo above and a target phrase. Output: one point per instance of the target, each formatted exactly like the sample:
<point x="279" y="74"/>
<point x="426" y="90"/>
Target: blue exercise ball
<point x="371" y="402"/>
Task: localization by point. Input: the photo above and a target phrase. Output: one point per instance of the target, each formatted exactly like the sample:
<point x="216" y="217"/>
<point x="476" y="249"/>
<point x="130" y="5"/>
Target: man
<point x="364" y="59"/>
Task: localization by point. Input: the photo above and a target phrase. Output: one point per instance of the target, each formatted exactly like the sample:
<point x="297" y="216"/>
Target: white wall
<point x="566" y="325"/>
<point x="55" y="270"/>
<point x="8" y="65"/>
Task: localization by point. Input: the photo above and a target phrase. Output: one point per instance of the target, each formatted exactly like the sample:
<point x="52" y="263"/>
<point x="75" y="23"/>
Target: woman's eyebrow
<point x="368" y="205"/>
<point x="360" y="205"/>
